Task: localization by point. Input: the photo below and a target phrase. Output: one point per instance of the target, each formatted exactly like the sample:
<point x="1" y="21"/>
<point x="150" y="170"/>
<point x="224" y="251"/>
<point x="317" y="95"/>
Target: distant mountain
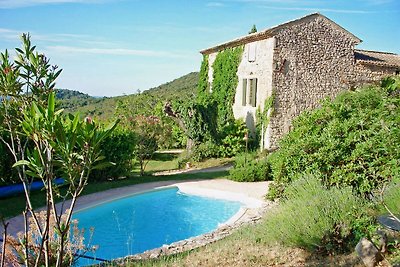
<point x="63" y="94"/>
<point x="179" y="89"/>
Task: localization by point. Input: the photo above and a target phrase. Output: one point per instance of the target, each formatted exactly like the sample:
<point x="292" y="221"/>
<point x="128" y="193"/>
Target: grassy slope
<point x="248" y="247"/>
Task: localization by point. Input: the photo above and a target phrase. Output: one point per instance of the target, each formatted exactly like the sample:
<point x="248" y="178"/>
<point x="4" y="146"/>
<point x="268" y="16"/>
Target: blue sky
<point x="115" y="47"/>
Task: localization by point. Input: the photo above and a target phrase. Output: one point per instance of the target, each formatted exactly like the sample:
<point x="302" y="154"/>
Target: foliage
<point x="350" y="141"/>
<point x="118" y="148"/>
<point x="263" y="117"/>
<point x="224" y="83"/>
<point x="253" y="29"/>
<point x="205" y="150"/>
<point x="232" y="140"/>
<point x="70" y="145"/>
<point x="210" y="119"/>
<point x="103" y="109"/>
<point x="73" y="243"/>
<point x="314" y="217"/>
<point x="7" y="175"/>
<point x="147" y="130"/>
<point x="203" y="87"/>
<point x="249" y="168"/>
<point x="199" y="120"/>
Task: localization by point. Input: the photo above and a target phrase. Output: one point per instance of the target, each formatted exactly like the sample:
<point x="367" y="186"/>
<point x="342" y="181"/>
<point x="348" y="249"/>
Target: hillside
<point x="103" y="108"/>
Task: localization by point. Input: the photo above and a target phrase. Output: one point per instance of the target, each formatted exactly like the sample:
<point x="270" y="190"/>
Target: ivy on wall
<point x="224" y="83"/>
<point x="263" y="117"/>
<point x="210" y="118"/>
<point x="203" y="87"/>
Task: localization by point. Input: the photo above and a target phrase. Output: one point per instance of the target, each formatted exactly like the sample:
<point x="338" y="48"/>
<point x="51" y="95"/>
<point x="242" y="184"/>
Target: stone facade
<point x="303" y="61"/>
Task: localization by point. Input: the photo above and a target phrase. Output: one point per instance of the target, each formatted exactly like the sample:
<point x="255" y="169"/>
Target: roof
<point x="377" y="58"/>
<point x="268" y="33"/>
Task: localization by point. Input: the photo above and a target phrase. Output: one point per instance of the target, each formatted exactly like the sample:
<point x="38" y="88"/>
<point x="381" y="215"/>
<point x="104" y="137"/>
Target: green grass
<point x="169" y="161"/>
<point x="248" y="246"/>
<point x="13" y="206"/>
<point x="161" y="162"/>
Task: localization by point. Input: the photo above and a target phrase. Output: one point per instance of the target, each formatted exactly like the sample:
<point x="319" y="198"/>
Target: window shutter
<point x="253" y="92"/>
<point x="244" y="92"/>
<point x="252" y="52"/>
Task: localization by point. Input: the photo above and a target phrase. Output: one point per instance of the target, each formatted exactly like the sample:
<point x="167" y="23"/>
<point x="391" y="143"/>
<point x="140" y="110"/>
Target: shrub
<point x="314" y="217"/>
<point x="117" y="148"/>
<point x="249" y="168"/>
<point x="205" y="150"/>
<point x="351" y="141"/>
<point x="232" y="141"/>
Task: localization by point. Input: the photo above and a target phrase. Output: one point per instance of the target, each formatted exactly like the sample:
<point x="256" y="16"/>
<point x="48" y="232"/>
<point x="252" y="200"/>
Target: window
<point x="244" y="92"/>
<point x="253" y="92"/>
<point x="249" y="92"/>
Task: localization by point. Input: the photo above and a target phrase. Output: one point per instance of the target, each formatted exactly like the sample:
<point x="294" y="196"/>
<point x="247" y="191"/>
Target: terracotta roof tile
<point x="377" y="58"/>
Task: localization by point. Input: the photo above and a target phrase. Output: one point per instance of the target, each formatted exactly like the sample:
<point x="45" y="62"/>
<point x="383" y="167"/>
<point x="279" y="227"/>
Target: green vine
<point x="264" y="117"/>
<point x="203" y="87"/>
<point x="224" y="84"/>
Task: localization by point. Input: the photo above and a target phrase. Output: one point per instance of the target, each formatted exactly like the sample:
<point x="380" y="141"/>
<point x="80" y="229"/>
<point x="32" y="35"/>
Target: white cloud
<point x="10" y="34"/>
<point x="215" y="4"/>
<point x="113" y="51"/>
<point x="26" y="3"/>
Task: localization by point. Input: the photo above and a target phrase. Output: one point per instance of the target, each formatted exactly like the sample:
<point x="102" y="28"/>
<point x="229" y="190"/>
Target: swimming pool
<point x="149" y="220"/>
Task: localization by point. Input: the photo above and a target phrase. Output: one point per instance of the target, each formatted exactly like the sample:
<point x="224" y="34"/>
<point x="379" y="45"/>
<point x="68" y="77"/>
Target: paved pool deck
<point x="250" y="194"/>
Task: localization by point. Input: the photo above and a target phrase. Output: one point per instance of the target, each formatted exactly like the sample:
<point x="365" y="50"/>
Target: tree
<point x="253" y="29"/>
<point x="42" y="142"/>
<point x="147" y="130"/>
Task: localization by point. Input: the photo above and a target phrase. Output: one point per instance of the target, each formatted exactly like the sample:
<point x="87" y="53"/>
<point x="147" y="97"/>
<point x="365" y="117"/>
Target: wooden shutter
<point x="252" y="52"/>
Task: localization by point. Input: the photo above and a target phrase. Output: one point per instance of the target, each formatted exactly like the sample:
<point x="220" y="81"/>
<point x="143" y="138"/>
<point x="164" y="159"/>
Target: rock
<point x="383" y="240"/>
<point x="369" y="254"/>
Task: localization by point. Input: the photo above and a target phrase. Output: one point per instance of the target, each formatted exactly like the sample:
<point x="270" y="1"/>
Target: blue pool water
<point x="137" y="223"/>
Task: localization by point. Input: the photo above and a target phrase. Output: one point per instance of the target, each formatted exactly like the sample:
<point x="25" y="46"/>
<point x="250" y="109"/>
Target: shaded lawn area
<point x="13" y="206"/>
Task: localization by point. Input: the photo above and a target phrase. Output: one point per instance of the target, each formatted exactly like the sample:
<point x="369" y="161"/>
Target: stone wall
<point x="369" y="73"/>
<point x="312" y="60"/>
<point x="261" y="69"/>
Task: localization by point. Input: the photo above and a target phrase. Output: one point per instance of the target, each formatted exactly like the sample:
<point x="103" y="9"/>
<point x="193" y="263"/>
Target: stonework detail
<point x="303" y="61"/>
<point x="260" y="69"/>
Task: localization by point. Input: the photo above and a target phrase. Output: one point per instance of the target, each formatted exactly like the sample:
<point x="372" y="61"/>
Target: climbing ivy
<point x="224" y="83"/>
<point x="203" y="87"/>
<point x="263" y="117"/>
<point x="210" y="119"/>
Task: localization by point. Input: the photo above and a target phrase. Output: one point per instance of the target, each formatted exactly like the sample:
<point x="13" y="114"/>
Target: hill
<point x="103" y="108"/>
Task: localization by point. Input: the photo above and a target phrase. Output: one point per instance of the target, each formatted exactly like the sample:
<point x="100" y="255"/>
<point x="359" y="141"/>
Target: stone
<point x="303" y="62"/>
<point x="368" y="253"/>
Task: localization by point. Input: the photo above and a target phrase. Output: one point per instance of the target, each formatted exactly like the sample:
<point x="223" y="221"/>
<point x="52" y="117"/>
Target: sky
<point x="117" y="47"/>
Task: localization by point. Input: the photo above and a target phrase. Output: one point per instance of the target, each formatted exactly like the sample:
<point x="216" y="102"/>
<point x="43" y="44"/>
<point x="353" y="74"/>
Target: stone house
<point x="302" y="61"/>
